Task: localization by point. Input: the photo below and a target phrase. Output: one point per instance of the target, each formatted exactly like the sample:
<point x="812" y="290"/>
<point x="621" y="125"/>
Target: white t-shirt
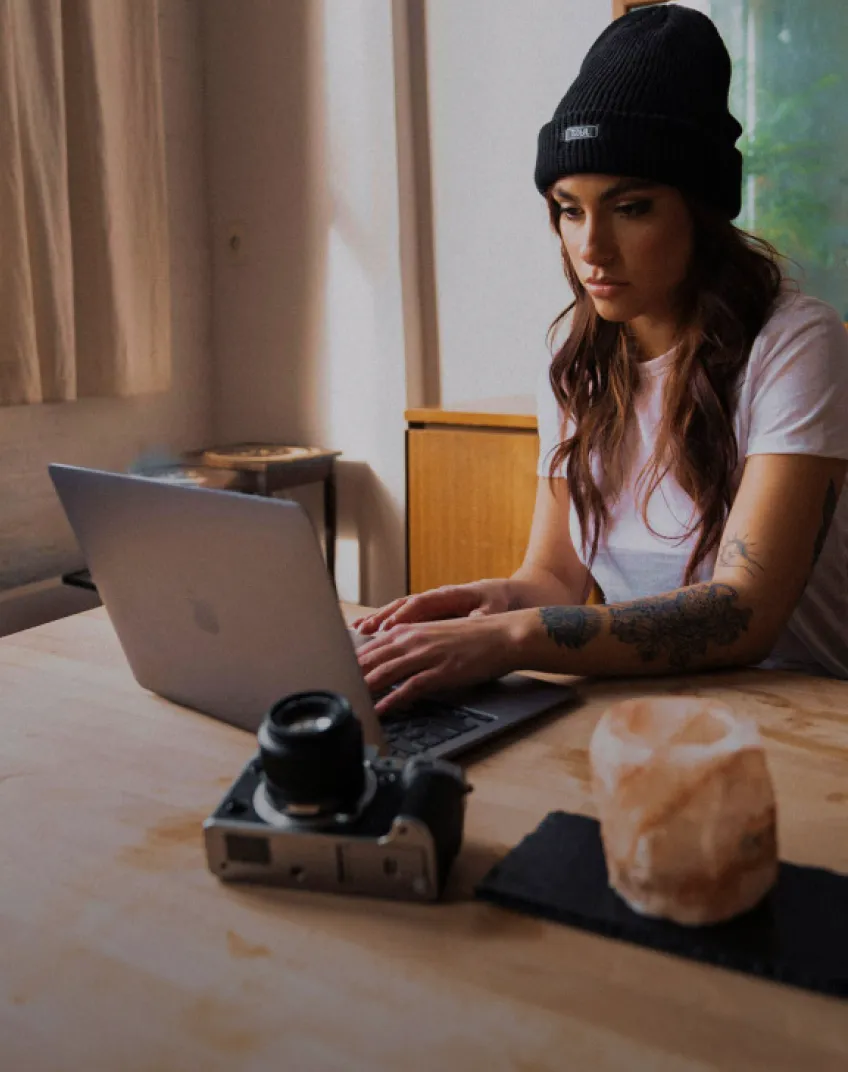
<point x="793" y="399"/>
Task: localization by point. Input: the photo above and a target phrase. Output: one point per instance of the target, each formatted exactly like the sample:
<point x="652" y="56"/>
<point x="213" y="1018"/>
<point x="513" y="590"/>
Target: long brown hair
<point x="731" y="286"/>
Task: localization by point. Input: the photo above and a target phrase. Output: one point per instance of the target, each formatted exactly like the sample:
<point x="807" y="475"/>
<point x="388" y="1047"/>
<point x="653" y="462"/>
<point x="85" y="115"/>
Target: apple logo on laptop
<point x="205" y="617"/>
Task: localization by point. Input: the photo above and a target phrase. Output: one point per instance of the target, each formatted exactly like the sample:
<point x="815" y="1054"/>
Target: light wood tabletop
<point x="512" y="411"/>
<point x="122" y="953"/>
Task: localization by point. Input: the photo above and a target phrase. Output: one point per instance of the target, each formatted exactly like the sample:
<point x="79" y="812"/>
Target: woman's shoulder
<point x="794" y="310"/>
<point x="797" y="325"/>
<point x="794" y="394"/>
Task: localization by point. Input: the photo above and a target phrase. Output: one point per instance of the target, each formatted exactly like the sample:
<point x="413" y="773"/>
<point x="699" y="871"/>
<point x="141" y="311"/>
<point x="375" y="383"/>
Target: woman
<point x="694" y="430"/>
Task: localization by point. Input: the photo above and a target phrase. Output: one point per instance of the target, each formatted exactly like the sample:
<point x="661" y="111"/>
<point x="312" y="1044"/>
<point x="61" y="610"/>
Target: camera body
<point x="395" y="834"/>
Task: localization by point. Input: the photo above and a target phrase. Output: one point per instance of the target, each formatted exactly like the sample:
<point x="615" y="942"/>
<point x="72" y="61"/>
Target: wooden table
<point x="121" y="953"/>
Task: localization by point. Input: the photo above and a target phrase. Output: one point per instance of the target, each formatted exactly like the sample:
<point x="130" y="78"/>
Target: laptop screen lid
<point x="221" y="601"/>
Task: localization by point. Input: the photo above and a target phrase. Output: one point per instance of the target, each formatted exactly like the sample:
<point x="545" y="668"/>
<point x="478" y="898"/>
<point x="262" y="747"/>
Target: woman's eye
<point x="634" y="208"/>
<point x="570" y="212"/>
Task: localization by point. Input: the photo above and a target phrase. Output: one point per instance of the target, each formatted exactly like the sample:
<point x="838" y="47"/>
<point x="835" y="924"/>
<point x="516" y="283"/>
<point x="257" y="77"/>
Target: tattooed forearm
<point x="682" y="624"/>
<point x="828" y="510"/>
<point x="740" y="552"/>
<point x="571" y="627"/>
<point x="515" y="604"/>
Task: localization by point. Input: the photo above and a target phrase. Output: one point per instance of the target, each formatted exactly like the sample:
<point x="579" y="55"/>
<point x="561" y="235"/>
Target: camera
<point x="313" y="811"/>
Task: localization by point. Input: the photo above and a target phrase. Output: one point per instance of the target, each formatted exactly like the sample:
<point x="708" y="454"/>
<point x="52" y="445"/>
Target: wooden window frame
<point x="621" y="7"/>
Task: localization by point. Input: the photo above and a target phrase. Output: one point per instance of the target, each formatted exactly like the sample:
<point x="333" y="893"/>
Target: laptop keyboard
<point x="427" y="723"/>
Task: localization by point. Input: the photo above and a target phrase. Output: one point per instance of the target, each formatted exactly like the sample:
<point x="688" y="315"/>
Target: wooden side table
<point x="471" y="491"/>
<point x="268" y="468"/>
<point x="471" y="487"/>
<point x="253" y="469"/>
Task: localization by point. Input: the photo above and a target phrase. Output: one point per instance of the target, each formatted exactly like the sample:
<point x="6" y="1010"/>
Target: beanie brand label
<point x="578" y="133"/>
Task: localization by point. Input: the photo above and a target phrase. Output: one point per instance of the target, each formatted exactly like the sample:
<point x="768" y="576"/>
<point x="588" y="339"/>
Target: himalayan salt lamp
<point x="686" y="807"/>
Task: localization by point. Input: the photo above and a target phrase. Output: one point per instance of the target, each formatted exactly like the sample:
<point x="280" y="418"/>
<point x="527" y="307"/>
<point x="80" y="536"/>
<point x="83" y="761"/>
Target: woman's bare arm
<point x="769" y="546"/>
<point x="551" y="571"/>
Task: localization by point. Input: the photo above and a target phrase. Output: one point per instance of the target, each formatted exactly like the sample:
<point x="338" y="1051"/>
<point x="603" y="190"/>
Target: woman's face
<point x="628" y="240"/>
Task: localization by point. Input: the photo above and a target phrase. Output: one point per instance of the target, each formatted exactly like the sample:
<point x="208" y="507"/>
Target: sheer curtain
<point x="84" y="282"/>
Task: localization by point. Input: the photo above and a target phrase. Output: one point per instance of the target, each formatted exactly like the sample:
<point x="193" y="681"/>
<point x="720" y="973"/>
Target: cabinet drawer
<point x="470" y="503"/>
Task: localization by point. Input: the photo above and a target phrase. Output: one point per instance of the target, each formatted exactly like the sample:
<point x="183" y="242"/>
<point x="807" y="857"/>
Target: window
<point x="787" y="92"/>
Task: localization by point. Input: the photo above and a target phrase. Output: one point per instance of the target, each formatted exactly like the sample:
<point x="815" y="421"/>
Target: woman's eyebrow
<point x="623" y="186"/>
<point x="626" y="186"/>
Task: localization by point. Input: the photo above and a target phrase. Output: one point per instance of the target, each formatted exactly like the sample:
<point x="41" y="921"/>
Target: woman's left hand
<point x="431" y="656"/>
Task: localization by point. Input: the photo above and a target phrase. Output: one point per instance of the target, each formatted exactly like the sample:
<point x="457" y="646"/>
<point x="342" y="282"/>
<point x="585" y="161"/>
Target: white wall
<point x="309" y="337"/>
<point x="497" y="69"/>
<point x="35" y="541"/>
<point x="307" y="314"/>
<point x="307" y="334"/>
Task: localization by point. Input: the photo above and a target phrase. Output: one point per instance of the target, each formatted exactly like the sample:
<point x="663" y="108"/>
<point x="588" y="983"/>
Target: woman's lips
<point x="604" y="288"/>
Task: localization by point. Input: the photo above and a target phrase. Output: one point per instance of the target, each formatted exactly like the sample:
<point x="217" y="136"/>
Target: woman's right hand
<point x="449" y="601"/>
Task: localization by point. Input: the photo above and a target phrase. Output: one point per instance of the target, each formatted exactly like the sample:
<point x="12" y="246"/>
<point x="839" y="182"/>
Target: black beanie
<point x="650" y="102"/>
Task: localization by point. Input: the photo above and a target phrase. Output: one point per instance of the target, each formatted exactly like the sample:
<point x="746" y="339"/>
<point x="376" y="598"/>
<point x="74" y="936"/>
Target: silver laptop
<point x="222" y="602"/>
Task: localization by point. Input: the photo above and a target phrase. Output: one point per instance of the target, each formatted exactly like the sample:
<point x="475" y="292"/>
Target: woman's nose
<point x="595" y="246"/>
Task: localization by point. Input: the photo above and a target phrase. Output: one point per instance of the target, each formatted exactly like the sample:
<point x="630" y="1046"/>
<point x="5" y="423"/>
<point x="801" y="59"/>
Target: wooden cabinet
<point x="471" y="486"/>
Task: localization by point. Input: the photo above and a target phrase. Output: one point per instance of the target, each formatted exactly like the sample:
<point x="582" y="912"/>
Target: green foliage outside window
<point x="791" y="97"/>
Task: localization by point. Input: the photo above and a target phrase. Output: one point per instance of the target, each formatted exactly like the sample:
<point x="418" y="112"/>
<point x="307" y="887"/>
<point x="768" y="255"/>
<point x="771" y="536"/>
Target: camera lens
<point x="312" y="755"/>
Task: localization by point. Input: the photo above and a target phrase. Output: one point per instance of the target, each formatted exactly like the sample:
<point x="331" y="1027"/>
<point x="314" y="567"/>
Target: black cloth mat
<point x="797" y="935"/>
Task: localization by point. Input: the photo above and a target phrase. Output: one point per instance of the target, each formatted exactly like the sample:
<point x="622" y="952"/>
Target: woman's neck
<point x="654" y="336"/>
